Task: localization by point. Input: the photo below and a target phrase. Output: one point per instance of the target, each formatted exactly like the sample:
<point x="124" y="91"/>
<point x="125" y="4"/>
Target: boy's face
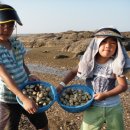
<point x="6" y="30"/>
<point x="108" y="47"/>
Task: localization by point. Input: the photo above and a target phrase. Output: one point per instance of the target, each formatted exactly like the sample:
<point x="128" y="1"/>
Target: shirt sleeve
<point x="17" y="44"/>
<point x="1" y="61"/>
<point x="22" y="48"/>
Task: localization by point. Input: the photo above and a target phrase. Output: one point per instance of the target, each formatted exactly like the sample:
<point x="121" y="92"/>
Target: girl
<point x="102" y="64"/>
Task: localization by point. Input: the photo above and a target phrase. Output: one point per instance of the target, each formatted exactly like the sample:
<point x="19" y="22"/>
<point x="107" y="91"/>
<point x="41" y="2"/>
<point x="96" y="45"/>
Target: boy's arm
<point x="121" y="87"/>
<point x="27" y="103"/>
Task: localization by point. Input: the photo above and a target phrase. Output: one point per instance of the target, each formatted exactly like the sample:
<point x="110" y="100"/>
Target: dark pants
<point x="10" y="115"/>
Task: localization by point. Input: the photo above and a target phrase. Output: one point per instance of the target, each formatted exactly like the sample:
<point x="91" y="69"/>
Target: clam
<point x="67" y="96"/>
<point x="34" y="93"/>
<point x="39" y="93"/>
<point x="74" y="97"/>
<point x="48" y="89"/>
<point x="24" y="91"/>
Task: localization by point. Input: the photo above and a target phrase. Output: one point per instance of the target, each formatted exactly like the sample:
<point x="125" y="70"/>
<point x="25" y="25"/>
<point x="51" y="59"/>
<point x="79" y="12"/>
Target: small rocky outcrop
<point x="70" y="41"/>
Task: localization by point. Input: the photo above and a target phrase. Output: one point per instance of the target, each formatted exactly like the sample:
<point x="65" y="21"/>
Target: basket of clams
<point x="43" y="93"/>
<point x="75" y="98"/>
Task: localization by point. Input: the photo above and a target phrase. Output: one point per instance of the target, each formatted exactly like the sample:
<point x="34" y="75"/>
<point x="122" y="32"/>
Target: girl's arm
<point x="71" y="75"/>
<point x="28" y="104"/>
<point x="121" y="87"/>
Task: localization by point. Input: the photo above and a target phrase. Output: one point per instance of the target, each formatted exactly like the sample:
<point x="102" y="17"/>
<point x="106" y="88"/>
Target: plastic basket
<point x="79" y="108"/>
<point x="52" y="93"/>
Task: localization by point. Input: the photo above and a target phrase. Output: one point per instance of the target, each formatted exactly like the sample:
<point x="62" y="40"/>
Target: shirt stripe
<point x="14" y="66"/>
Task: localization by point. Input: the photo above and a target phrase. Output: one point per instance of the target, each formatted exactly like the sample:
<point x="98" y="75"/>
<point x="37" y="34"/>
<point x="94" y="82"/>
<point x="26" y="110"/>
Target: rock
<point x="70" y="41"/>
<point x="60" y="56"/>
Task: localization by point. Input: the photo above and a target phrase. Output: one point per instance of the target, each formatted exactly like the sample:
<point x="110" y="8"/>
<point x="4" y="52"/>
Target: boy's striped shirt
<point x="14" y="66"/>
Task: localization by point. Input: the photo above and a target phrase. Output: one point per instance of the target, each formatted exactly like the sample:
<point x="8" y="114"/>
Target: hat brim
<point x="8" y="16"/>
<point x="108" y="32"/>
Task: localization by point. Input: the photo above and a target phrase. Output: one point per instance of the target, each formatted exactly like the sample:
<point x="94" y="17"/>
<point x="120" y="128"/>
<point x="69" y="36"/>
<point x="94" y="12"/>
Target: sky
<point x="54" y="16"/>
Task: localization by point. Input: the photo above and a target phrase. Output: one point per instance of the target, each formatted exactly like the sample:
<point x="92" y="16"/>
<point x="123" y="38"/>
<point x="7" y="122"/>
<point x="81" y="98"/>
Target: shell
<point x="39" y="93"/>
<point x="73" y="97"/>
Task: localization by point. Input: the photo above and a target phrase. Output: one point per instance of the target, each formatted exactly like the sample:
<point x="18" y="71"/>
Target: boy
<point x="13" y="73"/>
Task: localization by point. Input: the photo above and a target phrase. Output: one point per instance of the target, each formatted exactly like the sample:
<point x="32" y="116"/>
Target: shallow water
<point x="46" y="70"/>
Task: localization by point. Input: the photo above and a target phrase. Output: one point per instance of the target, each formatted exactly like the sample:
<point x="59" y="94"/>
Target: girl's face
<point x="6" y="30"/>
<point x="108" y="47"/>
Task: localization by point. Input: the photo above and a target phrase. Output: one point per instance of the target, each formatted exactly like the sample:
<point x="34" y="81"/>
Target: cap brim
<point x="8" y="16"/>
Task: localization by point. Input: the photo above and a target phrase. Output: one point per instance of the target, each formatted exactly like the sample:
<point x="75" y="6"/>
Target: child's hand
<point x="30" y="106"/>
<point x="99" y="96"/>
<point x="59" y="88"/>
